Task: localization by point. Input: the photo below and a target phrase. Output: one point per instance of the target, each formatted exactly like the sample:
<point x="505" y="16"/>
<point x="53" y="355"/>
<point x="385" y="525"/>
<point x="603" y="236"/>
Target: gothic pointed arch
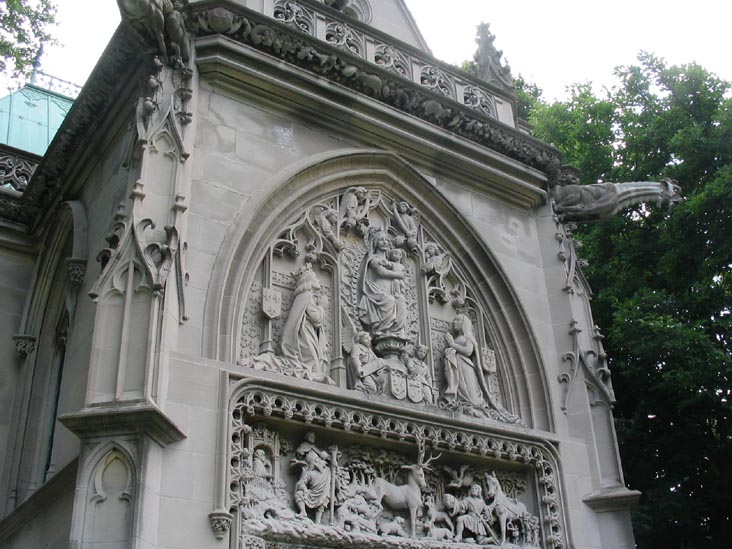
<point x="330" y="226"/>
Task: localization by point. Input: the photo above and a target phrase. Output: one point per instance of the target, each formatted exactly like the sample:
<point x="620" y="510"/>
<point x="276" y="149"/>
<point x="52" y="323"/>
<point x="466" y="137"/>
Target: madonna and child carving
<point x="356" y="292"/>
<point x="377" y="497"/>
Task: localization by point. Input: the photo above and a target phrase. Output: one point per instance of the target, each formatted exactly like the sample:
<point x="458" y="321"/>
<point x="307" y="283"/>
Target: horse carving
<point x="601" y="201"/>
<point x="506" y="509"/>
<point x="409" y="495"/>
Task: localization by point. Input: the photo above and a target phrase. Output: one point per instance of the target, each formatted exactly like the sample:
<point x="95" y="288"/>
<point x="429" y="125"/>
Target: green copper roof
<point x="30" y="117"/>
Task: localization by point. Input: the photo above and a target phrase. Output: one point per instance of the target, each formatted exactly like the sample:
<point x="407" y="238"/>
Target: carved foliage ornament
<point x="472" y="122"/>
<point x="356" y="292"/>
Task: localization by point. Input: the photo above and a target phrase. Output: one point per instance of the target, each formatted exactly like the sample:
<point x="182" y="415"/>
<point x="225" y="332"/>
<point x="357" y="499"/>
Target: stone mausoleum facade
<point x="284" y="280"/>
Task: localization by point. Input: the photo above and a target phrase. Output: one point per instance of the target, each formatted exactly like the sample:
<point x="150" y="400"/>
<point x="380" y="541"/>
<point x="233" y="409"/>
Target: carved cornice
<point x="143" y="418"/>
<point x="428" y="98"/>
<point x="97" y="96"/>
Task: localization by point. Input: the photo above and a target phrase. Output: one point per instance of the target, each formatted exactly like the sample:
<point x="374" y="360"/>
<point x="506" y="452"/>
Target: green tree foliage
<point x="663" y="287"/>
<point x="528" y="97"/>
<point x="24" y="28"/>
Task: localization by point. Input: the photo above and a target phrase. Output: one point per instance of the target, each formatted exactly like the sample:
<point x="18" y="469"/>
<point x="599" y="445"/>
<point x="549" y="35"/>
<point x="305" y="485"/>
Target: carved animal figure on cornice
<point x="601" y="201"/>
<point x="153" y="20"/>
<point x="409" y="495"/>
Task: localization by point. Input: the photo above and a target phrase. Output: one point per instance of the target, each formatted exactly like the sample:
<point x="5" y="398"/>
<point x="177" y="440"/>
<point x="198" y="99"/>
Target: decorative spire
<point x="488" y="58"/>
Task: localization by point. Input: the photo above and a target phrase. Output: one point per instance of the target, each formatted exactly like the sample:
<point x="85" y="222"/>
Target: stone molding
<point x="145" y="418"/>
<point x="427" y="99"/>
<point x="380" y="49"/>
<point x="60" y="484"/>
<point x="618" y="498"/>
<point x="264" y="398"/>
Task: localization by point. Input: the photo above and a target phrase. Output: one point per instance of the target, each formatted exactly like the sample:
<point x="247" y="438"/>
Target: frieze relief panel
<point x="356" y="292"/>
<point x="313" y="473"/>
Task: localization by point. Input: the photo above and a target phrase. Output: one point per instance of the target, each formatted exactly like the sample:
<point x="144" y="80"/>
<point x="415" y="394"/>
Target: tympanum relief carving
<point x="356" y="292"/>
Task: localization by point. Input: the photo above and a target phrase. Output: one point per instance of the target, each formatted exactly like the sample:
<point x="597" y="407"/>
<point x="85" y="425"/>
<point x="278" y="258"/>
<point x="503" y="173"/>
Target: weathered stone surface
<point x="328" y="297"/>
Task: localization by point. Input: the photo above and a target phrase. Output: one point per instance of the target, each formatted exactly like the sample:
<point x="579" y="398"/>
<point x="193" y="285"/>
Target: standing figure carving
<point x="383" y="306"/>
<point x="303" y="336"/>
<point x="464" y="371"/>
<point x="312" y="490"/>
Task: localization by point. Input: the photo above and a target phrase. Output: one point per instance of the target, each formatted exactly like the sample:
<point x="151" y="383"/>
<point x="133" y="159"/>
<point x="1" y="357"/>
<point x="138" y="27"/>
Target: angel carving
<point x="364" y="368"/>
<point x="407" y="221"/>
<point x="354" y="209"/>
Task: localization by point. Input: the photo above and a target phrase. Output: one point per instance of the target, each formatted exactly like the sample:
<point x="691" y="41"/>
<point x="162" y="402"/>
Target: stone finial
<point x="24" y="345"/>
<point x="490" y="66"/>
<point x="220" y="522"/>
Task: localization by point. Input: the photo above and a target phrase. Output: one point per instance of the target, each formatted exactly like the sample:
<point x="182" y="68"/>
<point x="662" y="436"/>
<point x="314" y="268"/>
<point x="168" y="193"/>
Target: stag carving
<point x="409" y="495"/>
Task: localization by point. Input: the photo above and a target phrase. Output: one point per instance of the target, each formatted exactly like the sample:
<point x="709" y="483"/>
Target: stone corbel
<point x="220" y="522"/>
<point x="76" y="271"/>
<point x="24" y="345"/>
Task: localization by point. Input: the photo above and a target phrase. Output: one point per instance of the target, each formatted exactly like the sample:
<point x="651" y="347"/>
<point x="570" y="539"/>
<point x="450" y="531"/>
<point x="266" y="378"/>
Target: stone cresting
<point x="16" y="169"/>
<point x="430" y="99"/>
<point x="341" y="485"/>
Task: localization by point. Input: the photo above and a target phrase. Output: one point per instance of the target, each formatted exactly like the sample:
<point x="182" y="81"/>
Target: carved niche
<point x="356" y="292"/>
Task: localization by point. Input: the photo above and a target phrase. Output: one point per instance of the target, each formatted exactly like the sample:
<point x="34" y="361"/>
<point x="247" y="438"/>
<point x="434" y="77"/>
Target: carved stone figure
<point x="328" y="222"/>
<point x="409" y="495"/>
<point x="392" y="527"/>
<point x="383" y="306"/>
<point x="435" y="516"/>
<point x="358" y="511"/>
<point x="303" y="337"/>
<point x="364" y="366"/>
<point x="406" y="219"/>
<point x="419" y="372"/>
<point x="261" y="464"/>
<point x="432" y="259"/>
<point x="506" y="509"/>
<point x="312" y="490"/>
<point x="490" y="66"/>
<point x="603" y="200"/>
<point x="354" y="207"/>
<point x="472" y="514"/>
<point x="463" y="366"/>
<point x="156" y="19"/>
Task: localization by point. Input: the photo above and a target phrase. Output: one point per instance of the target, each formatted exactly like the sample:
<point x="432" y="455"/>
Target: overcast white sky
<point x="552" y="42"/>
